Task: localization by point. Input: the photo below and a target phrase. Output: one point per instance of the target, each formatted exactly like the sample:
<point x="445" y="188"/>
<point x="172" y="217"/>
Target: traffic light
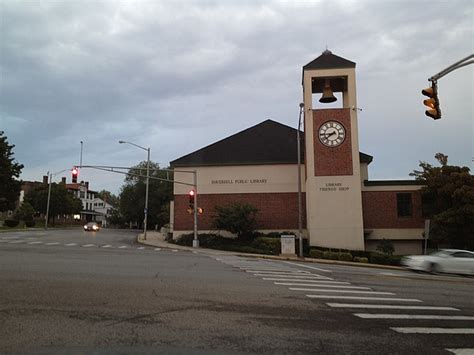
<point x="192" y="193"/>
<point x="74" y="172"/>
<point x="432" y="103"/>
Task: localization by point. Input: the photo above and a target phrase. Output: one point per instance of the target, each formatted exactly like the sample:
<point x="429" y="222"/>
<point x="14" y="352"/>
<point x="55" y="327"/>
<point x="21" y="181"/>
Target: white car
<point x="452" y="261"/>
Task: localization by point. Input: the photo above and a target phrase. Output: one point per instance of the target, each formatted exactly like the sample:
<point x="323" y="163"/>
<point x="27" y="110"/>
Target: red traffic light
<point x="192" y="193"/>
<point x="74" y="172"/>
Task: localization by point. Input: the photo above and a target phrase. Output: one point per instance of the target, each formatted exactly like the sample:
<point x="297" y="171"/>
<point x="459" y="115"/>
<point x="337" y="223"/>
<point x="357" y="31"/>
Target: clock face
<point x="332" y="133"/>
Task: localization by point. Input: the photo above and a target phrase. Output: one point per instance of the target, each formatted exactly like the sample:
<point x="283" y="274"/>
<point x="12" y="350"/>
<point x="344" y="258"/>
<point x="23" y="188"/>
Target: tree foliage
<point x="237" y="218"/>
<point x="108" y="197"/>
<point x="9" y="172"/>
<point x="25" y="212"/>
<point x="448" y="199"/>
<point x="61" y="201"/>
<point x="132" y="196"/>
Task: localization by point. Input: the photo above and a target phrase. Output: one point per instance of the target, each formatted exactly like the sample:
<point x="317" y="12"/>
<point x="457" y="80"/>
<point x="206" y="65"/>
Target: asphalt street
<point x="70" y="291"/>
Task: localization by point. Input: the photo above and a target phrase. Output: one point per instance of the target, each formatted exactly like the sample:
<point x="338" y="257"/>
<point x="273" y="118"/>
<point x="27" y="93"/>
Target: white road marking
<point x="141" y="248"/>
<point x="4" y="240"/>
<point x="461" y="351"/>
<point x="35" y="243"/>
<point x="53" y="243"/>
<point x="264" y="269"/>
<point x="307" y="266"/>
<point x="384" y="306"/>
<point x="410" y="316"/>
<point x="339" y="291"/>
<point x="87" y="245"/>
<point x="10" y="238"/>
<point x="362" y="298"/>
<point x="319" y="285"/>
<point x="17" y="241"/>
<point x="286" y="272"/>
<point x="302" y="276"/>
<point x="421" y="330"/>
<point x="316" y="281"/>
<point x="157" y="249"/>
<point x="70" y="244"/>
<point x="174" y="250"/>
<point x="106" y="246"/>
<point x="123" y="246"/>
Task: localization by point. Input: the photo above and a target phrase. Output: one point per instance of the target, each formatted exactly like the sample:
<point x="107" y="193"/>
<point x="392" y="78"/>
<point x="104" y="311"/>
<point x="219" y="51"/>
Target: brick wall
<point x="380" y="210"/>
<point x="275" y="210"/>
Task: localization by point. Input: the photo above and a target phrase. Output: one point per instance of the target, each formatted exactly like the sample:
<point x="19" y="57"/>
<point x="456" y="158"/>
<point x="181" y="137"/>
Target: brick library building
<point x="341" y="206"/>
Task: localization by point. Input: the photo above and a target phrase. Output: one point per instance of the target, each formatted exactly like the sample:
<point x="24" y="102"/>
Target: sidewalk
<point x="156" y="239"/>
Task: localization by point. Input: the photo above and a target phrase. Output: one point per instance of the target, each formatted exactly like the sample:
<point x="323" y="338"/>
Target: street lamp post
<point x="145" y="220"/>
<point x="298" y="148"/>
<point x="50" y="177"/>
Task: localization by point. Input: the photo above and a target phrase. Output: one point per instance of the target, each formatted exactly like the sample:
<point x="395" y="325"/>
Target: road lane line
<point x="70" y="244"/>
<point x="174" y="250"/>
<point x="87" y="245"/>
<point x="339" y="291"/>
<point x="428" y="330"/>
<point x="35" y="243"/>
<point x="307" y="266"/>
<point x="319" y="285"/>
<point x="53" y="243"/>
<point x="302" y="276"/>
<point x="289" y="272"/>
<point x="140" y="248"/>
<point x="362" y="298"/>
<point x="123" y="246"/>
<point x="157" y="249"/>
<point x="106" y="246"/>
<point x="385" y="306"/>
<point x="410" y="316"/>
<point x="316" y="281"/>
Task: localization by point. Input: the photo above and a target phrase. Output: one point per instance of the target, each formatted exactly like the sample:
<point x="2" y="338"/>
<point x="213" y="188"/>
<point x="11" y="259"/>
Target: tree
<point x="61" y="201"/>
<point x="132" y="195"/>
<point x="9" y="171"/>
<point x="108" y="197"/>
<point x="448" y="199"/>
<point x="237" y="218"/>
<point x="25" y="212"/>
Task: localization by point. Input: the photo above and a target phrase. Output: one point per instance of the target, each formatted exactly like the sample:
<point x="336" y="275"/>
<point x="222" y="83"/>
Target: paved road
<point x="71" y="291"/>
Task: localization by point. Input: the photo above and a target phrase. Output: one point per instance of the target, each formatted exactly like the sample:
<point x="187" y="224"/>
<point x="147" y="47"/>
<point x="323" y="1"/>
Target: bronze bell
<point x="328" y="95"/>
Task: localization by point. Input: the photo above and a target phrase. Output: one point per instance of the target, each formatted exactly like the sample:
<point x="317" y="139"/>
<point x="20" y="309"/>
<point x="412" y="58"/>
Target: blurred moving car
<point x="91" y="226"/>
<point x="452" y="261"/>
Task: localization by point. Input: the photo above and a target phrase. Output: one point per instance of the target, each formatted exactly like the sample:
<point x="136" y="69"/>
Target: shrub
<point x="330" y="255"/>
<point x="361" y="259"/>
<point x="378" y="258"/>
<point x="345" y="256"/>
<point x="11" y="222"/>
<point x="237" y="218"/>
<point x="386" y="247"/>
<point x="315" y="253"/>
<point x="30" y="224"/>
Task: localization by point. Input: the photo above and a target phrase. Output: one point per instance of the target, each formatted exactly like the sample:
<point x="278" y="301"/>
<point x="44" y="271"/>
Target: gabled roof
<point x="266" y="143"/>
<point x="327" y="60"/>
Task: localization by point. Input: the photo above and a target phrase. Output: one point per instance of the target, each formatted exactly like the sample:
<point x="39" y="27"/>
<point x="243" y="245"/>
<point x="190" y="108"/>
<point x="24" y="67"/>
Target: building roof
<point x="267" y="143"/>
<point x="327" y="60"/>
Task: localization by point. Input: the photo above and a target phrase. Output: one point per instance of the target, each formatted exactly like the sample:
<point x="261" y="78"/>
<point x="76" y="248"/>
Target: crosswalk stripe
<point x="411" y="316"/>
<point x="253" y="269"/>
<point x="339" y="291"/>
<point x="4" y="240"/>
<point x="70" y="244"/>
<point x="174" y="250"/>
<point x="53" y="243"/>
<point x="302" y="276"/>
<point x="307" y="266"/>
<point x="428" y="330"/>
<point x="17" y="241"/>
<point x="141" y="248"/>
<point x="320" y="285"/>
<point x="35" y="243"/>
<point x="88" y="245"/>
<point x="123" y="247"/>
<point x="157" y="249"/>
<point x="106" y="246"/>
<point x="385" y="306"/>
<point x="364" y="298"/>
<point x="462" y="351"/>
<point x="279" y="272"/>
<point x="316" y="281"/>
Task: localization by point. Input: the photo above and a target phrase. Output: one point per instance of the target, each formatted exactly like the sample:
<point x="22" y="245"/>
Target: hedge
<point x="11" y="222"/>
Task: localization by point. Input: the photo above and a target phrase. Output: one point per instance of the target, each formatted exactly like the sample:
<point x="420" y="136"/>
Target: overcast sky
<point x="176" y="76"/>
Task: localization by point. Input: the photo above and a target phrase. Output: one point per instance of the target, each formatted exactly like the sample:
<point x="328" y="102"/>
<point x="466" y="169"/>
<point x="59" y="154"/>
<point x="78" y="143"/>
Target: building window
<point x="404" y="205"/>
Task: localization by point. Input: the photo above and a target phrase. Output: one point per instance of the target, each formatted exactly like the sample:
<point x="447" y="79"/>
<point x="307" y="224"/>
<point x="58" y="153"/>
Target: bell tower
<point x="333" y="183"/>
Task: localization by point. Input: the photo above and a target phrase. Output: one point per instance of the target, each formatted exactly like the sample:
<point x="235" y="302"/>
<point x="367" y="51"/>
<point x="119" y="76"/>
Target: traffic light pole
<point x="195" y="211"/>
<point x="462" y="63"/>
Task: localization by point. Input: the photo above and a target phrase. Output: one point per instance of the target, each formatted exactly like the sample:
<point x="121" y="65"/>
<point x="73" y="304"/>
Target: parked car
<point x="452" y="261"/>
<point x="91" y="226"/>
